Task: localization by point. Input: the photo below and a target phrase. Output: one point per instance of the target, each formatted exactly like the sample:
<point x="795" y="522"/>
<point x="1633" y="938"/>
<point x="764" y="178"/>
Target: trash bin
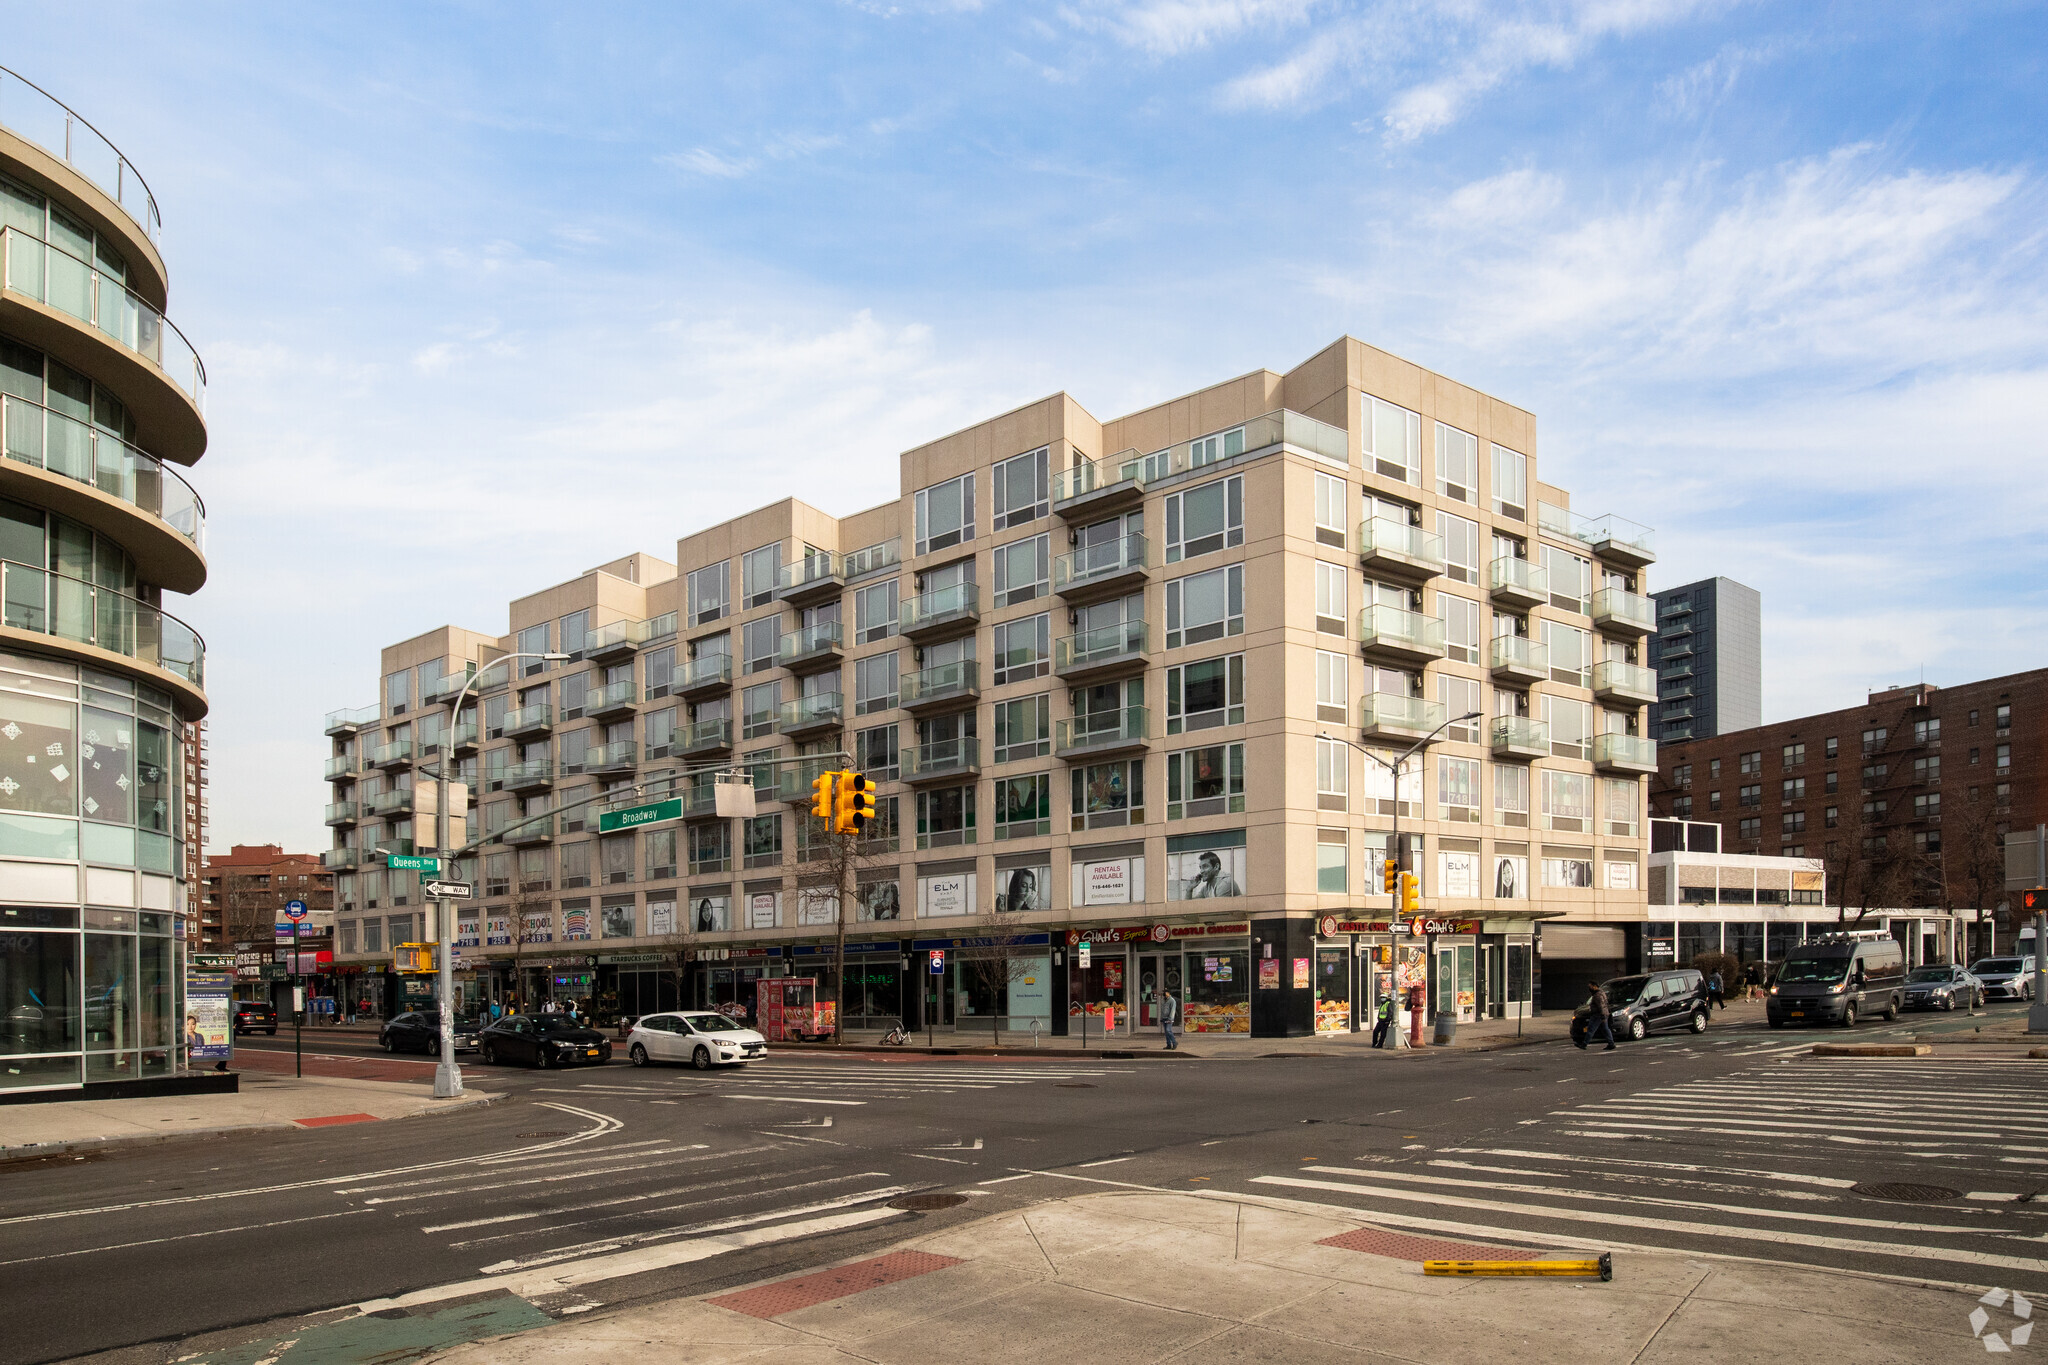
<point x="1446" y="1027"/>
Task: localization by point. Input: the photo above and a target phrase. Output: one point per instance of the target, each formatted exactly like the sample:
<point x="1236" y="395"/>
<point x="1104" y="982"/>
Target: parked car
<point x="2005" y="978"/>
<point x="1641" y="1005"/>
<point x="1942" y="986"/>
<point x="543" y="1040"/>
<point x="1838" y="977"/>
<point x="420" y="1031"/>
<point x="251" y="1015"/>
<point x="703" y="1038"/>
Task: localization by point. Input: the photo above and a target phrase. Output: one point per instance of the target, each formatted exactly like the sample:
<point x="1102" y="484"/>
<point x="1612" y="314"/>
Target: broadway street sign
<point x="635" y="816"/>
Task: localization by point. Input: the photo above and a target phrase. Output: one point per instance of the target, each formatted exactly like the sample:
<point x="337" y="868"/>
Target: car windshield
<point x="555" y="1023"/>
<point x="1997" y="964"/>
<point x="709" y="1023"/>
<point x="1814" y="969"/>
<point x="1623" y="990"/>
<point x="1928" y="974"/>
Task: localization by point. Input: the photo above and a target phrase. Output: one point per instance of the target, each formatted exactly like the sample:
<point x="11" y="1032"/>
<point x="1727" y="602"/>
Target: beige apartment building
<point x="1117" y="681"/>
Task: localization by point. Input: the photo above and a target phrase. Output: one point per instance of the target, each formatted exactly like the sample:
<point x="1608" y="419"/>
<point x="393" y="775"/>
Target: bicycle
<point x="896" y="1037"/>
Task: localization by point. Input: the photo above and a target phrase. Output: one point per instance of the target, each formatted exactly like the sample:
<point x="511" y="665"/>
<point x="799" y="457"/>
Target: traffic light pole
<point x="2037" y="1012"/>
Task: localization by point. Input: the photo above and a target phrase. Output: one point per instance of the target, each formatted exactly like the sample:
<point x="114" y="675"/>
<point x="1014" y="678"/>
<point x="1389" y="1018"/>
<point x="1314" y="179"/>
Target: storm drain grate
<point x="551" y="1132"/>
<point x="1902" y="1192"/>
<point x="927" y="1203"/>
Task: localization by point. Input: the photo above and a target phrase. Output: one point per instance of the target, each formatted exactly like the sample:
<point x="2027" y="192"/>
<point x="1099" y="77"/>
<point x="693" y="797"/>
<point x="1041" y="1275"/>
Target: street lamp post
<point x="447" y="1075"/>
<point x="1394" y="845"/>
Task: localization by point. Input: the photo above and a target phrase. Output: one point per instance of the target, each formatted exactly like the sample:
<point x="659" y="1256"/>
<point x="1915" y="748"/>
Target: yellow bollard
<point x="1603" y="1267"/>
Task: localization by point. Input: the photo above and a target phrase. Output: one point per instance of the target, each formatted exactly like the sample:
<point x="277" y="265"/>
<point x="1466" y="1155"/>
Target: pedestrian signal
<point x="2034" y="902"/>
<point x="856" y="804"/>
<point x="1411" y="893"/>
<point x="822" y="788"/>
<point x="1391" y="874"/>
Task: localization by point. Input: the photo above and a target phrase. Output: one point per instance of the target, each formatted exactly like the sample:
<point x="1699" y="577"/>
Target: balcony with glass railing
<point x="530" y="775"/>
<point x="1624" y="754"/>
<point x="341" y="723"/>
<point x="616" y="639"/>
<point x="1100" y="732"/>
<point x="1518" y="584"/>
<point x="1117" y="565"/>
<point x="1611" y="537"/>
<point x="530" y="720"/>
<point x="1519" y="737"/>
<point x="612" y="699"/>
<point x="872" y="559"/>
<point x="342" y="768"/>
<point x="446" y="688"/>
<point x="1393" y="547"/>
<point x="462" y="737"/>
<point x="1092" y="486"/>
<point x="941" y="759"/>
<point x="533" y="830"/>
<point x="1117" y="648"/>
<point x="396" y="754"/>
<point x="1098" y="485"/>
<point x="813" y="578"/>
<point x="1515" y="658"/>
<point x="342" y="858"/>
<point x="1614" y="680"/>
<point x="940" y="612"/>
<point x="385" y="804"/>
<point x="813" y="647"/>
<point x="1620" y="612"/>
<point x="54" y="604"/>
<point x="617" y="757"/>
<point x="807" y="715"/>
<point x="701" y="677"/>
<point x="51" y="276"/>
<point x="50" y="441"/>
<point x="1385" y="716"/>
<point x="341" y="813"/>
<point x="793" y="781"/>
<point x="1397" y="634"/>
<point x="33" y="113"/>
<point x="939" y="686"/>
<point x="703" y="737"/>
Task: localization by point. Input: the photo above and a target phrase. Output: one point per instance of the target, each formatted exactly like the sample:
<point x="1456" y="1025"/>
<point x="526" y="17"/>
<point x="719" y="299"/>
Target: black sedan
<point x="420" y="1031"/>
<point x="251" y="1015"/>
<point x="543" y="1040"/>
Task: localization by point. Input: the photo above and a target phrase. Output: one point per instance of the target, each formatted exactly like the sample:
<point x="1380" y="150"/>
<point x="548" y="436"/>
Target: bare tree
<point x="1973" y="857"/>
<point x="998" y="960"/>
<point x="1866" y="871"/>
<point x="831" y="870"/>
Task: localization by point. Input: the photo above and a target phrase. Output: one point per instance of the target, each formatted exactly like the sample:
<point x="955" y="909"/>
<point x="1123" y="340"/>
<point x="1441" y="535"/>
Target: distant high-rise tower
<point x="1708" y="653"/>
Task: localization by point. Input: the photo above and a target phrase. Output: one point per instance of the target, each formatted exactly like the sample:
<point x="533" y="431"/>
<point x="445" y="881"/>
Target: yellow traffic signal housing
<point x="1411" y="894"/>
<point x="1391" y="875"/>
<point x="413" y="959"/>
<point x="823" y="787"/>
<point x="856" y="804"/>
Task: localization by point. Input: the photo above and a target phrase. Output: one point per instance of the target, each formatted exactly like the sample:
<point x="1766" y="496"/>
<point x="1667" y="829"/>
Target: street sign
<point x="938" y="961"/>
<point x="635" y="816"/>
<point x="1083" y="950"/>
<point x="410" y="863"/>
<point x="451" y="891"/>
<point x="294" y="910"/>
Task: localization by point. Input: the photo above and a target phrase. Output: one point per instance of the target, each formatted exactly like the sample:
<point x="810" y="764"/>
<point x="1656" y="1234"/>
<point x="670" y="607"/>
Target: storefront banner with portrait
<point x="209" y="1016"/>
<point x="879" y="901"/>
<point x="618" y="921"/>
<point x="1510" y="876"/>
<point x="711" y="914"/>
<point x="1109" y="881"/>
<point x="1205" y="874"/>
<point x="946" y="895"/>
<point x="1020" y="890"/>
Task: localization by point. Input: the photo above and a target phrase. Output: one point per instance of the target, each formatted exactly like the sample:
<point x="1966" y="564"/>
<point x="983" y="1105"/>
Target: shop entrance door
<point x="1156" y="972"/>
<point x="938" y="997"/>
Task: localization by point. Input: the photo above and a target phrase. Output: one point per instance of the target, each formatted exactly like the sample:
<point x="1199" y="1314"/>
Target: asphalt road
<point x="603" y="1186"/>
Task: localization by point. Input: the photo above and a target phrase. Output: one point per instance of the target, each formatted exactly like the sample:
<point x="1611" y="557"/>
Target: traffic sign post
<point x="295" y="911"/>
<point x="449" y="891"/>
<point x="938" y="971"/>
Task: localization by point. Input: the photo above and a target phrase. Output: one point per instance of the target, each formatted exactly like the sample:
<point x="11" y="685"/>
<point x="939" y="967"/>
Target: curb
<point x="1873" y="1050"/>
<point x="101" y="1144"/>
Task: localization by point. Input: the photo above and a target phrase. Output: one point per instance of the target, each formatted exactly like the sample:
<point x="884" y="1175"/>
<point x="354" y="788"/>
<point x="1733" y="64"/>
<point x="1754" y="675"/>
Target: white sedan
<point x="701" y="1038"/>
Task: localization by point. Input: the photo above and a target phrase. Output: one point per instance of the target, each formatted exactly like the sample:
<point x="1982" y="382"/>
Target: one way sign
<point x="451" y="891"/>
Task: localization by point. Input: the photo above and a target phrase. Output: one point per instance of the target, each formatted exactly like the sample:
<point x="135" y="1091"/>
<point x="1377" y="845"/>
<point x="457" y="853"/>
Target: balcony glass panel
<point x="1519" y="734"/>
<point x="610" y="697"/>
<point x="874" y="558"/>
<point x="1382" y="711"/>
<point x="818" y="568"/>
<point x="533" y="772"/>
<point x="823" y="708"/>
<point x="1521" y="654"/>
<point x="962" y="599"/>
<point x="941" y="757"/>
<point x="341" y="812"/>
<point x="961" y="678"/>
<point x="1523" y="576"/>
<point x="53" y="276"/>
<point x="341" y="766"/>
<point x="812" y="641"/>
<point x="346" y="720"/>
<point x="53" y="125"/>
<point x="613" y="634"/>
<point x="620" y="755"/>
<point x="1612" y="675"/>
<point x="55" y="604"/>
<point x="63" y="445"/>
<point x="708" y="671"/>
<point x="1121" y="725"/>
<point x="1399" y="629"/>
<point x="1618" y="604"/>
<point x="1631" y="750"/>
<point x="399" y="752"/>
<point x="529" y="718"/>
<point x="1380" y="538"/>
<point x="706" y="734"/>
<point x="1104" y="644"/>
<point x="1110" y="559"/>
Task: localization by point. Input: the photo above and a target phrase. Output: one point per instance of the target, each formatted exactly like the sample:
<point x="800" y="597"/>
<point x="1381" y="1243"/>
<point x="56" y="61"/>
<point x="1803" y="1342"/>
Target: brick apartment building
<point x="1906" y="798"/>
<point x="243" y="893"/>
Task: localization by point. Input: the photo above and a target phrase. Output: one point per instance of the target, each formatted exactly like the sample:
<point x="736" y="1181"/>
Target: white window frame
<point x="1460" y="484"/>
<point x="1460" y="536"/>
<point x="1464" y="627"/>
<point x="927" y="542"/>
<point x="1510" y="477"/>
<point x="1333" y="774"/>
<point x="1232" y="533"/>
<point x="1333" y="597"/>
<point x="1333" y="687"/>
<point x="1333" y="510"/>
<point x="1404" y="464"/>
<point x="1178" y="633"/>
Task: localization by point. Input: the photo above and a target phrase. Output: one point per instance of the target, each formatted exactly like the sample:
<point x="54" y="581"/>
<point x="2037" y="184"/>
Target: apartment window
<point x="1794" y="755"/>
<point x="876" y="751"/>
<point x="2001" y="758"/>
<point x="1206" y="781"/>
<point x="1460" y="697"/>
<point x="1457" y="464"/>
<point x="945" y="514"/>
<point x="1927" y="731"/>
<point x="1570" y="652"/>
<point x="1023" y="649"/>
<point x="1750" y="830"/>
<point x="575" y="633"/>
<point x="1223" y="445"/>
<point x="1461" y="547"/>
<point x="1392" y="440"/>
<point x="1023" y="806"/>
<point x="533" y="640"/>
<point x="575" y="864"/>
<point x="1510" y="483"/>
<point x="1333" y="774"/>
<point x="1927" y="770"/>
<point x="1681" y="776"/>
<point x="874" y="612"/>
<point x="2003" y="716"/>
<point x="1457" y="789"/>
<point x="1832" y="816"/>
<point x="1927" y="806"/>
<point x="945" y="816"/>
<point x="1510" y="794"/>
<point x="710" y="847"/>
<point x="1205" y="519"/>
<point x="1714" y="768"/>
<point x="1021" y="489"/>
<point x="1567" y="801"/>
<point x="758" y="705"/>
<point x="1332" y="581"/>
<point x="660" y="671"/>
<point x="1751" y="763"/>
<point x="760" y="575"/>
<point x="1205" y="694"/>
<point x="497" y="874"/>
<point x="1023" y="570"/>
<point x="1333" y="687"/>
<point x="1106" y="794"/>
<point x="1873" y="844"/>
<point x="2001" y="792"/>
<point x="1681" y="807"/>
<point x="1752" y="795"/>
<point x="710" y="590"/>
<point x="1873" y="740"/>
<point x="1205" y="606"/>
<point x="874" y="683"/>
<point x="397" y="691"/>
<point x="1875" y="810"/>
<point x="1571" y="725"/>
<point x="661" y="732"/>
<point x="763" y="847"/>
<point x="1973" y="757"/>
<point x="759" y="642"/>
<point x="1620" y="802"/>
<point x="1333" y="507"/>
<point x="1793" y="822"/>
<point x="1333" y="862"/>
<point x="1831" y="783"/>
<point x="1831" y="748"/>
<point x="575" y="691"/>
<point x="1792" y="789"/>
<point x="1462" y="627"/>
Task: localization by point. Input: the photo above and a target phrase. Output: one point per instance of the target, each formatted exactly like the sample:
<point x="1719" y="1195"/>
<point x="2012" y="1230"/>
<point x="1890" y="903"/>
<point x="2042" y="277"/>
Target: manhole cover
<point x="551" y="1132"/>
<point x="926" y="1203"/>
<point x="1074" y="1085"/>
<point x="1905" y="1193"/>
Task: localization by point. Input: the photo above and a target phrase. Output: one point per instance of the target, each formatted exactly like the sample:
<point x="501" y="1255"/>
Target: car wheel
<point x="1775" y="1023"/>
<point x="638" y="1054"/>
<point x="272" y="1030"/>
<point x="488" y="1055"/>
<point x="542" y="1059"/>
<point x="1891" y="1009"/>
<point x="701" y="1059"/>
<point x="1849" y="1015"/>
<point x="1699" y="1022"/>
<point x="1949" y="1003"/>
<point x="390" y="1045"/>
<point x="1637" y="1029"/>
<point x="433" y="1048"/>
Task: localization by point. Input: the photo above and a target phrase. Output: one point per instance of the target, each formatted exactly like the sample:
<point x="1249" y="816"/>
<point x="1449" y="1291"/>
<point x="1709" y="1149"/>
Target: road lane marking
<point x="642" y="1198"/>
<point x="795" y="1099"/>
<point x="182" y="1237"/>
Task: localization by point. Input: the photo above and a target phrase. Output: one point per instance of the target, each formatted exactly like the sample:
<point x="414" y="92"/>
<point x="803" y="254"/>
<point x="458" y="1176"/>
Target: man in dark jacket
<point x="1598" y="1020"/>
<point x="1386" y="1023"/>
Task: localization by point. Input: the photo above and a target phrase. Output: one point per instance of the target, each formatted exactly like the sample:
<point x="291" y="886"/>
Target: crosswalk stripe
<point x="1787" y="1125"/>
<point x="1789" y="1177"/>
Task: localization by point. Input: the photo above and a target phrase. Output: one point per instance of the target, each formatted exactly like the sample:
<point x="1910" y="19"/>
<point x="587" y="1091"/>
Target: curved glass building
<point x="102" y="404"/>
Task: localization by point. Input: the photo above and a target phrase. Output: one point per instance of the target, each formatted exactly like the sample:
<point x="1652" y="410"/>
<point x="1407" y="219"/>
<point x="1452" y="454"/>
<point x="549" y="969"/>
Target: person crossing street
<point x="1598" y="1019"/>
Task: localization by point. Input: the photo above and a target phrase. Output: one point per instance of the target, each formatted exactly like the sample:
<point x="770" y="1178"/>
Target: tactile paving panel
<point x="786" y="1296"/>
<point x="1400" y="1246"/>
<point x="330" y="1120"/>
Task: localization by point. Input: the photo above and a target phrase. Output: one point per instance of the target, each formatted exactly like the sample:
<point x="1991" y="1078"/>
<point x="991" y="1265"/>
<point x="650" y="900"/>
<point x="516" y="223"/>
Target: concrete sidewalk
<point x="265" y="1102"/>
<point x="1142" y="1276"/>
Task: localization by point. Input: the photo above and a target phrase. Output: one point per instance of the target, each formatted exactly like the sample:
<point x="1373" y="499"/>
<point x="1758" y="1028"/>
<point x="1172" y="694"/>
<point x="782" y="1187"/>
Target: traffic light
<point x="1391" y="875"/>
<point x="1411" y="894"/>
<point x="822" y="798"/>
<point x="2035" y="901"/>
<point x="856" y="804"/>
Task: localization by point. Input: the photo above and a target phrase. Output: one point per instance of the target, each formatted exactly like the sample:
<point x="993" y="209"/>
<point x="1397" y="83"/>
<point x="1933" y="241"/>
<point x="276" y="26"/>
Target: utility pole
<point x="2037" y="1012"/>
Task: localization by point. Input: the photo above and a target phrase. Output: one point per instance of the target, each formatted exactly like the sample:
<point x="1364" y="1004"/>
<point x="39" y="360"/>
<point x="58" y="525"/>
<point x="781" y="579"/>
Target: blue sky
<point x="1771" y="278"/>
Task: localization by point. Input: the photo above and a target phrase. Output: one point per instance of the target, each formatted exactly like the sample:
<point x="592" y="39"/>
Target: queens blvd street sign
<point x="448" y="891"/>
<point x="412" y="863"/>
<point x="635" y="816"/>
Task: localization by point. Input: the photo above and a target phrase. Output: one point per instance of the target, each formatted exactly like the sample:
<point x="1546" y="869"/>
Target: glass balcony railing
<point x="527" y="719"/>
<point x="1277" y="428"/>
<point x="818" y="571"/>
<point x="1620" y="608"/>
<point x="793" y="780"/>
<point x="1384" y="715"/>
<point x="941" y="682"/>
<point x="534" y="829"/>
<point x="961" y="602"/>
<point x="1617" y="535"/>
<point x="347" y="722"/>
<point x="616" y="696"/>
<point x="1612" y="677"/>
<point x="1385" y="542"/>
<point x="1104" y="645"/>
<point x="389" y="803"/>
<point x="1400" y="631"/>
<point x="47" y="440"/>
<point x="713" y="670"/>
<point x="1631" y="753"/>
<point x="1088" y="477"/>
<point x="1521" y="737"/>
<point x="446" y="688"/>
<point x="1103" y="729"/>
<point x="391" y="755"/>
<point x="941" y="758"/>
<point x="612" y="757"/>
<point x="54" y="277"/>
<point x="1518" y="655"/>
<point x="616" y="637"/>
<point x="341" y="813"/>
<point x="50" y="603"/>
<point x="874" y="559"/>
<point x="812" y="712"/>
<point x="812" y="642"/>
<point x="47" y="121"/>
<point x="534" y="772"/>
<point x="341" y="858"/>
<point x="704" y="734"/>
<point x="462" y="736"/>
<point x="341" y="765"/>
<point x="1520" y="578"/>
<point x="1111" y="559"/>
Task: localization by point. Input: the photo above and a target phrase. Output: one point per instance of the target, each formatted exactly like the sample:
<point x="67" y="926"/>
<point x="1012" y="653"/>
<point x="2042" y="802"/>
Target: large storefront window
<point x="1218" y="992"/>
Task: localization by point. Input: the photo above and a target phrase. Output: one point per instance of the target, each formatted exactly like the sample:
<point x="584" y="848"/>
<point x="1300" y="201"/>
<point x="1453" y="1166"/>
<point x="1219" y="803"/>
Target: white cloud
<point x="1169" y="28"/>
<point x="704" y="161"/>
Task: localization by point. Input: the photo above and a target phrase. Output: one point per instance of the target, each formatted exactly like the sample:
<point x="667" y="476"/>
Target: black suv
<point x="251" y="1015"/>
<point x="1642" y="1005"/>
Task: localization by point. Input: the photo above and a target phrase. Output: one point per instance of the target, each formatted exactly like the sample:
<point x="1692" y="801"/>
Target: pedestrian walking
<point x="1716" y="994"/>
<point x="1169" y="1018"/>
<point x="1385" y="1025"/>
<point x="1598" y="1019"/>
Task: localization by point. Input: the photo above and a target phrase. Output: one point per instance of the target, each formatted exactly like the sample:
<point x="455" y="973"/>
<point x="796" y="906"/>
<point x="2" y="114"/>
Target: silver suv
<point x="2005" y="978"/>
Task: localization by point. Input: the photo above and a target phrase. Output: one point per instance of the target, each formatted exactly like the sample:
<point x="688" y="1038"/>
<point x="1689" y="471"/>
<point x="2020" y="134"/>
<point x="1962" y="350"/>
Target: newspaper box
<point x="789" y="1010"/>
